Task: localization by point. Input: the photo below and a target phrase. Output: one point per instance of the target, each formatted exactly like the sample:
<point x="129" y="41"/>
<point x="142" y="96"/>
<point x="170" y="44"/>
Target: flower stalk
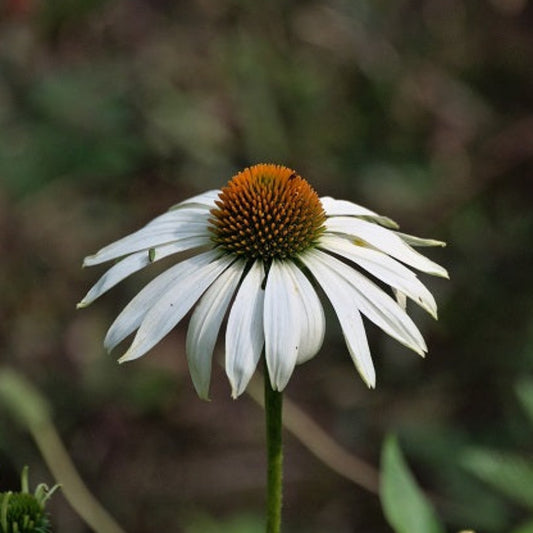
<point x="273" y="415"/>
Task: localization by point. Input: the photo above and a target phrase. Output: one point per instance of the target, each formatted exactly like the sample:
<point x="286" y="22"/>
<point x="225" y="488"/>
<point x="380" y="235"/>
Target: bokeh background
<point x="113" y="110"/>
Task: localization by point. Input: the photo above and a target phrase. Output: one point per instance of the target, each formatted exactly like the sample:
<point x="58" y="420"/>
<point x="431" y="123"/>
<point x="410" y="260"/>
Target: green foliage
<point x="510" y="474"/>
<point x="524" y="391"/>
<point x="406" y="508"/>
<point x="64" y="137"/>
<point x="239" y="524"/>
<point x="432" y="445"/>
<point x="524" y="528"/>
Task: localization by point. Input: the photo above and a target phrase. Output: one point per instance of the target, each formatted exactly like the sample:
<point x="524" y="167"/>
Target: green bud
<point x="23" y="512"/>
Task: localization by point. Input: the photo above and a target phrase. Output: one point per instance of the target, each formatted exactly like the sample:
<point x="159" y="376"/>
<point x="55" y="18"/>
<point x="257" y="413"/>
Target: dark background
<point x="113" y="110"/>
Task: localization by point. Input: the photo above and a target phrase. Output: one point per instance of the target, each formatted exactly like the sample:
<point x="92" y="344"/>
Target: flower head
<point x="264" y="242"/>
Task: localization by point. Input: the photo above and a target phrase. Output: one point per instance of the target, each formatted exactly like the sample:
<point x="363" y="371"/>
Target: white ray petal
<point x="132" y="315"/>
<point x="401" y="299"/>
<point x="164" y="229"/>
<point x="188" y="211"/>
<point x="136" y="262"/>
<point x="376" y="305"/>
<point x="418" y="241"/>
<point x="384" y="268"/>
<point x="205" y="325"/>
<point x="340" y="293"/>
<point x="173" y="306"/>
<point x="385" y="240"/>
<point x="334" y="207"/>
<point x="205" y="200"/>
<point x="281" y="323"/>
<point x="244" y="333"/>
<point x="311" y="313"/>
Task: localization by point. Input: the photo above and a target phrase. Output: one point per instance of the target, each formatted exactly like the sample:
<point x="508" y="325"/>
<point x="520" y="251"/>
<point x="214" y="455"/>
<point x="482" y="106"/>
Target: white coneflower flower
<point x="264" y="242"/>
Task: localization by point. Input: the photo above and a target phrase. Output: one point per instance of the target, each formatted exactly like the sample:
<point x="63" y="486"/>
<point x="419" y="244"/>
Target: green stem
<point x="273" y="408"/>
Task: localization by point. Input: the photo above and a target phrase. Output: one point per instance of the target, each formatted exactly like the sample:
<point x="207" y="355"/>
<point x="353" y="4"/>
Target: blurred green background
<point x="113" y="110"/>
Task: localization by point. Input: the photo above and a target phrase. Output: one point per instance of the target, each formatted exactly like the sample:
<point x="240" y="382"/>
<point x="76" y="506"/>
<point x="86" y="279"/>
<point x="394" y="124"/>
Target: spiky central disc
<point x="267" y="212"/>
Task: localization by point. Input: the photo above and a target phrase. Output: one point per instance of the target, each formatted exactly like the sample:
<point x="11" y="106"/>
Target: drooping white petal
<point x="205" y="200"/>
<point x="418" y="241"/>
<point x="281" y="322"/>
<point x="164" y="229"/>
<point x="312" y="320"/>
<point x="173" y="306"/>
<point x="376" y="305"/>
<point x="205" y="325"/>
<point x="340" y="294"/>
<point x="135" y="262"/>
<point x="334" y="207"/>
<point x="384" y="268"/>
<point x="244" y="333"/>
<point x="401" y="298"/>
<point x="385" y="240"/>
<point x="133" y="314"/>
